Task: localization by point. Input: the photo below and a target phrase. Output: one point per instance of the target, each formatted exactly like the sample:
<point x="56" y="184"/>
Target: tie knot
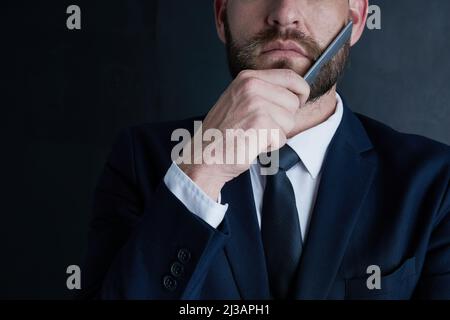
<point x="288" y="158"/>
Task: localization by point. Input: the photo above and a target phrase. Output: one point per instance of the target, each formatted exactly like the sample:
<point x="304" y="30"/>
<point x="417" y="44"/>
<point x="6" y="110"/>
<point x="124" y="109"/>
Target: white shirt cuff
<point x="194" y="198"/>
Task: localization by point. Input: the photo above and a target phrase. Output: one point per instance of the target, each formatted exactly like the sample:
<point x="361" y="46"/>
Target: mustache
<point x="254" y="45"/>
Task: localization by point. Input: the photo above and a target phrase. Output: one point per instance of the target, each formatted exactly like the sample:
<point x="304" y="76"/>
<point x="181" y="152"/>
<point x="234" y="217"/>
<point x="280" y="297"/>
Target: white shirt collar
<point x="311" y="145"/>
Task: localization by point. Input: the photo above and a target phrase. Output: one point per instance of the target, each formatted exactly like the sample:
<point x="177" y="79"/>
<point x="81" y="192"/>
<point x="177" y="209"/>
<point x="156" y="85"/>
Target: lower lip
<point x="284" y="53"/>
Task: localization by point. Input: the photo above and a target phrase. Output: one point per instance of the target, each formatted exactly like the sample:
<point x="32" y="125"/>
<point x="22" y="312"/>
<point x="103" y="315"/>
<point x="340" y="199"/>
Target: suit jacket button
<point x="177" y="269"/>
<point x="169" y="283"/>
<point x="184" y="255"/>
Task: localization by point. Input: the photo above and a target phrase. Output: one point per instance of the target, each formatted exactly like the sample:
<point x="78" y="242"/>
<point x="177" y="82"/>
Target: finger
<point x="274" y="137"/>
<point x="280" y="116"/>
<point x="267" y="113"/>
<point x="278" y="95"/>
<point x="282" y="77"/>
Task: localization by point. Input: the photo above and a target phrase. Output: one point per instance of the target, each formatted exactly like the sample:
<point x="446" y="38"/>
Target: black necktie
<point x="280" y="227"/>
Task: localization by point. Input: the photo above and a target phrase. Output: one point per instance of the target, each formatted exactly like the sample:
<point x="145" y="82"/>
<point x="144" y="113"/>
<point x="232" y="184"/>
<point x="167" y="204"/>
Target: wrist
<point x="204" y="180"/>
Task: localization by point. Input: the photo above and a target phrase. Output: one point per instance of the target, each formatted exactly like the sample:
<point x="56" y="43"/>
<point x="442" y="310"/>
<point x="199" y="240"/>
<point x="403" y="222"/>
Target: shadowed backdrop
<point x="68" y="93"/>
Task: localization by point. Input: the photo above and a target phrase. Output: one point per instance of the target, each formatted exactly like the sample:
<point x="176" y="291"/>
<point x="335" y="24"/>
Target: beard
<point x="246" y="56"/>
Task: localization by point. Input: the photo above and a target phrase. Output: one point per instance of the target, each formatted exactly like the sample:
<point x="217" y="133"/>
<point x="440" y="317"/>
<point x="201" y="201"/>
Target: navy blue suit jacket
<point x="383" y="200"/>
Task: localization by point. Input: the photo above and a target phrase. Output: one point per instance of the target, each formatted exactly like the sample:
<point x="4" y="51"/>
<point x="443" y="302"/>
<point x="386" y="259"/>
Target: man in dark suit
<point x="355" y="210"/>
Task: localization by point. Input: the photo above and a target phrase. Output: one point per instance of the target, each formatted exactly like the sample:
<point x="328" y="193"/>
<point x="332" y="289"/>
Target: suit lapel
<point x="244" y="249"/>
<point x="347" y="175"/>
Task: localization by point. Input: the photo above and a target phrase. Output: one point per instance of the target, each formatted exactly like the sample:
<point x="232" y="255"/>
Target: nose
<point x="284" y="14"/>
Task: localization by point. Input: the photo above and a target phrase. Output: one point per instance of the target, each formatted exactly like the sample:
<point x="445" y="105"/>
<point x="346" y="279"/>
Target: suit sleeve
<point x="434" y="282"/>
<point x="155" y="249"/>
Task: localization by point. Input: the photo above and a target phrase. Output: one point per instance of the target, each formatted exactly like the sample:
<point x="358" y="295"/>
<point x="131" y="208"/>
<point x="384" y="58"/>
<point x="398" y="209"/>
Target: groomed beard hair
<point x="244" y="57"/>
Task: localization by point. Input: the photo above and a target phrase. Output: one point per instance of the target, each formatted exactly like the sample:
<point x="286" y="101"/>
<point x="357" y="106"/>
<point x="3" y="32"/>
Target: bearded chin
<point x="244" y="59"/>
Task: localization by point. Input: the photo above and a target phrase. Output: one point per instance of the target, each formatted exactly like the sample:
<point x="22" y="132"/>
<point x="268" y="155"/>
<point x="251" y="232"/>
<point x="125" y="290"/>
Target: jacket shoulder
<point x="144" y="151"/>
<point x="390" y="142"/>
<point x="411" y="161"/>
<point x="160" y="130"/>
<point x="153" y="134"/>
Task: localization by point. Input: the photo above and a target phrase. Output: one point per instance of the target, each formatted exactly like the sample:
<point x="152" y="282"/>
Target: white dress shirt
<point x="311" y="147"/>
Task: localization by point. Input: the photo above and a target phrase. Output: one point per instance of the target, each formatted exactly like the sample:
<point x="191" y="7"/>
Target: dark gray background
<point x="68" y="93"/>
